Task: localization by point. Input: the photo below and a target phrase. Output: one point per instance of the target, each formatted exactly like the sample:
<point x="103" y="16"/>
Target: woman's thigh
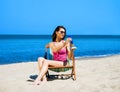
<point x="55" y="63"/>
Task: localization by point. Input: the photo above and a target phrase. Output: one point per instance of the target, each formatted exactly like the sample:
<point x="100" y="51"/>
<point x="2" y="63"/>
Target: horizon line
<point x="66" y="35"/>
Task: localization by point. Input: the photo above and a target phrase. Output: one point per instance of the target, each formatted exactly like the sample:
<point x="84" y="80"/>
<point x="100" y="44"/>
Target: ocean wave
<point x="95" y="56"/>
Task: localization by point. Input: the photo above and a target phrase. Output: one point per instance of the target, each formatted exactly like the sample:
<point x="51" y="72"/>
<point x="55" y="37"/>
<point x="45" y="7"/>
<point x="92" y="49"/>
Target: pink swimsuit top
<point x="60" y="55"/>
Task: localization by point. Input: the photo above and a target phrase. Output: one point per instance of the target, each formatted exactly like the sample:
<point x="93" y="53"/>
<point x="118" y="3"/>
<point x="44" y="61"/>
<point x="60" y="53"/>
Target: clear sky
<point x="80" y="17"/>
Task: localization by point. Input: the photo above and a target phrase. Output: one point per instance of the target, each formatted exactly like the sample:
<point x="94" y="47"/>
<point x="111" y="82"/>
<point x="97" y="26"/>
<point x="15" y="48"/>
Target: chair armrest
<point x="73" y="48"/>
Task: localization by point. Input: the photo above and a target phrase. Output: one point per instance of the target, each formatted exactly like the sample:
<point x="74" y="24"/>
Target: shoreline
<point x="93" y="75"/>
<point x="97" y="56"/>
<point x="76" y="58"/>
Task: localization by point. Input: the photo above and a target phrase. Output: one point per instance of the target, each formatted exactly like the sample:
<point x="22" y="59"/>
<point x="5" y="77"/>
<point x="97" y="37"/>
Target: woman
<point x="60" y="49"/>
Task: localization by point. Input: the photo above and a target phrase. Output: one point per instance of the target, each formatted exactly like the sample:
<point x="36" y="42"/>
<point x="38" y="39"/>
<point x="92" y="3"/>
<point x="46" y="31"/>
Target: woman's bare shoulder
<point x="51" y="43"/>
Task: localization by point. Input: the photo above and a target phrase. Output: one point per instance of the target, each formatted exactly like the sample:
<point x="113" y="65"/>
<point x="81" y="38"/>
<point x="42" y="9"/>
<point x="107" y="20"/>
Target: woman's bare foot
<point x="37" y="82"/>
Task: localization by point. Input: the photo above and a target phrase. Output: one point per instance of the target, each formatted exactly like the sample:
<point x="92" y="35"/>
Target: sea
<point x="27" y="48"/>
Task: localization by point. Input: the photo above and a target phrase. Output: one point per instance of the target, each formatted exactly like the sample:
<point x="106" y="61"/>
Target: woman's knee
<point x="41" y="59"/>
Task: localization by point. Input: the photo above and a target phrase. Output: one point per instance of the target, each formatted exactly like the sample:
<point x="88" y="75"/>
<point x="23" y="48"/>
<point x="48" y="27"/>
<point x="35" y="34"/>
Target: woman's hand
<point x="47" y="45"/>
<point x="68" y="40"/>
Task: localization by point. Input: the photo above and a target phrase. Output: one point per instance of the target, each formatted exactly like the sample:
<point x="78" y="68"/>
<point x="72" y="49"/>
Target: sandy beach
<point x="93" y="75"/>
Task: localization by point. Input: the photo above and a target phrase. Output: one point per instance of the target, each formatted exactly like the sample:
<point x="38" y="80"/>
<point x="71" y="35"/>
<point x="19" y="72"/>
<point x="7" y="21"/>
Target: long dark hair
<point x="56" y="30"/>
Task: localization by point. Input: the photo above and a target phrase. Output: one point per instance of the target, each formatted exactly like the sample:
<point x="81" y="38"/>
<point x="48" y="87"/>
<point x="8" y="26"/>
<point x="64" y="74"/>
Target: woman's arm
<point x="69" y="51"/>
<point x="59" y="46"/>
<point x="56" y="48"/>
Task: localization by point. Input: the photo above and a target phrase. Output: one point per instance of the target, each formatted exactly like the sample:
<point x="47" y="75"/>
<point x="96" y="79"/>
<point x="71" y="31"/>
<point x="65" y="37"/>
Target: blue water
<point x="25" y="48"/>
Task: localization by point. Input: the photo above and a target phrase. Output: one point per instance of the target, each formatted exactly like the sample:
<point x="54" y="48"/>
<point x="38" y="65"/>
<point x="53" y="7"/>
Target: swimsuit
<point x="60" y="55"/>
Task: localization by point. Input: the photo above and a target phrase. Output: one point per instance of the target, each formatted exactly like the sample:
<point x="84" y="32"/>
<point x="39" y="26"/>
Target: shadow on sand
<point x="49" y="78"/>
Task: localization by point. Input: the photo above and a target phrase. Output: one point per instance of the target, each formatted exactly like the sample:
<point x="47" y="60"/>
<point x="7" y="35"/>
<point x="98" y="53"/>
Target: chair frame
<point x="72" y="66"/>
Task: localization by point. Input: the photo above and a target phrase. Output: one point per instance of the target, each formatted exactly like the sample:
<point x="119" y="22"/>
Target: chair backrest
<point x="49" y="54"/>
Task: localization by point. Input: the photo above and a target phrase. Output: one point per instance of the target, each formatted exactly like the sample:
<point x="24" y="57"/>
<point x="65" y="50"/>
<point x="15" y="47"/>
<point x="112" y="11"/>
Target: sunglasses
<point x="62" y="32"/>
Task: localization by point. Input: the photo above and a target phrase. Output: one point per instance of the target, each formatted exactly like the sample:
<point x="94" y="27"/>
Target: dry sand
<point x="93" y="75"/>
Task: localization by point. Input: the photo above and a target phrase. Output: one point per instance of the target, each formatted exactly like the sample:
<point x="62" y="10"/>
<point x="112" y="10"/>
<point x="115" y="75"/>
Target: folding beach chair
<point x="70" y="66"/>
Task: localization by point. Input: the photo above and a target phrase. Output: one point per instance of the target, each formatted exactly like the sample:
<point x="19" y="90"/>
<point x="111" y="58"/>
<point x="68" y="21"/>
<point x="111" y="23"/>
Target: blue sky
<point x="80" y="17"/>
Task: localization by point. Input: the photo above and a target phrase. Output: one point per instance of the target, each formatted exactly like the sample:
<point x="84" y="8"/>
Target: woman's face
<point x="61" y="33"/>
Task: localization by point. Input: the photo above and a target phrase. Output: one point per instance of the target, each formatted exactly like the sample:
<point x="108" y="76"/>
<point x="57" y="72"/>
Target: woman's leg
<point x="40" y="65"/>
<point x="45" y="68"/>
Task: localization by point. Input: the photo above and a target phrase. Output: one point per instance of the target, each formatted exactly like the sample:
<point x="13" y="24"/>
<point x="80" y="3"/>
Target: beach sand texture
<point x="93" y="75"/>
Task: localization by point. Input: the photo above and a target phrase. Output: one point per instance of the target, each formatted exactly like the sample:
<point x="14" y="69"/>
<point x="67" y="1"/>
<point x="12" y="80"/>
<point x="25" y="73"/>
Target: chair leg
<point x="47" y="74"/>
<point x="73" y="74"/>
